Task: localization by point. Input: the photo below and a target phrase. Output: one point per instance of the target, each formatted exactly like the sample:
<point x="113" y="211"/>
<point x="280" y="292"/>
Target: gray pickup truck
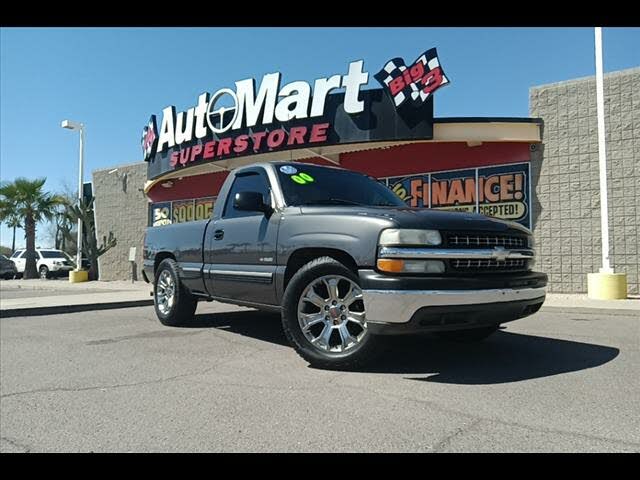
<point x="344" y="261"/>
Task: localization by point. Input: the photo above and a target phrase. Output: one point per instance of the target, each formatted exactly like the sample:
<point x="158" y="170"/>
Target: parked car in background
<point x="8" y="269"/>
<point x="49" y="262"/>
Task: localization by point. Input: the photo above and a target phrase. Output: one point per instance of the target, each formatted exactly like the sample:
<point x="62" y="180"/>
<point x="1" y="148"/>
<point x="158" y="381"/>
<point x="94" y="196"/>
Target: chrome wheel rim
<point x="165" y="292"/>
<point x="331" y="314"/>
<point x="43" y="273"/>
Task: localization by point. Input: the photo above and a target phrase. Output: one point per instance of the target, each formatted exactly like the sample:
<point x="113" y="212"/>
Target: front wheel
<point x="324" y="318"/>
<point x="468" y="336"/>
<point x="44" y="272"/>
<point x="174" y="305"/>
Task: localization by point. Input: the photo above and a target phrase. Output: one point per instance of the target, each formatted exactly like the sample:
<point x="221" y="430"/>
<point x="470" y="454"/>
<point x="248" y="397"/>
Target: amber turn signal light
<point x="390" y="265"/>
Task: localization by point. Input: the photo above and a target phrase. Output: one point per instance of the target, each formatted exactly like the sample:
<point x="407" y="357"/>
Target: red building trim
<point x="390" y="162"/>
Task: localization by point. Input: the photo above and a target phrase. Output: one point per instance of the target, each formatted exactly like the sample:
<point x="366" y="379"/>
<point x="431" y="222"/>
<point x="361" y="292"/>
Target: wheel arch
<point x="302" y="256"/>
<point x="160" y="256"/>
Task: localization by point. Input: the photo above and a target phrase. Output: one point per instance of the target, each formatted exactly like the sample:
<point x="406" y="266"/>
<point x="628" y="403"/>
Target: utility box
<point x="132" y="261"/>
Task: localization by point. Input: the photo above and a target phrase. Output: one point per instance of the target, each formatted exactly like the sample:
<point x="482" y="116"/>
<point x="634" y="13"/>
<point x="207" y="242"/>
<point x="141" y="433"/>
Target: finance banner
<point x="504" y="192"/>
<point x="501" y="191"/>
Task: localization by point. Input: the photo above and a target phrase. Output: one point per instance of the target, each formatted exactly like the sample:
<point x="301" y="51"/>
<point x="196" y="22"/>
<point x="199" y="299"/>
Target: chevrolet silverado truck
<point x="344" y="261"/>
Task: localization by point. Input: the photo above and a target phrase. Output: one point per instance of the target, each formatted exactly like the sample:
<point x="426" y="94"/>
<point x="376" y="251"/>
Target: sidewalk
<point x="45" y="297"/>
<point x="565" y="300"/>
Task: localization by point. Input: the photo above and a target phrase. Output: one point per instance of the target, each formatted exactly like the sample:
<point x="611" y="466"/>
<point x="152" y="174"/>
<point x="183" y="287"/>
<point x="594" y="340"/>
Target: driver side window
<point x="251" y="181"/>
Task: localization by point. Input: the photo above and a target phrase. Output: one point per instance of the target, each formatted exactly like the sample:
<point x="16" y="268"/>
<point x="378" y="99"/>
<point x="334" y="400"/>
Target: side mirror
<point x="251" y="202"/>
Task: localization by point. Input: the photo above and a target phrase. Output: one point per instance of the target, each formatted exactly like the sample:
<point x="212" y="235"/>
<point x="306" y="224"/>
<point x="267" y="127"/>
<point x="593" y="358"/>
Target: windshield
<point x="304" y="184"/>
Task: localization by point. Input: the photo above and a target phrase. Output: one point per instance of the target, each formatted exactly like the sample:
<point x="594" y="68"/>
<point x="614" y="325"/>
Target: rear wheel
<point x="173" y="303"/>
<point x="324" y="318"/>
<point x="469" y="336"/>
<point x="44" y="272"/>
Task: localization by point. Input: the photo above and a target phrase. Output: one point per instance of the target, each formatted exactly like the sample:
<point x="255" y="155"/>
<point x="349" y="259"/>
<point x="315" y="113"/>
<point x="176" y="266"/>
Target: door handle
<point x="218" y="234"/>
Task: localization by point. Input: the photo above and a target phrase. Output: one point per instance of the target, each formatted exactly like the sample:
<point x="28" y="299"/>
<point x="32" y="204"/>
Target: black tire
<point x="43" y="271"/>
<point x="362" y="353"/>
<point x="471" y="335"/>
<point x="181" y="312"/>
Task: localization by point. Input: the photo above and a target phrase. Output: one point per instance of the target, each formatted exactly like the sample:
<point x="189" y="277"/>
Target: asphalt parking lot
<point x="117" y="380"/>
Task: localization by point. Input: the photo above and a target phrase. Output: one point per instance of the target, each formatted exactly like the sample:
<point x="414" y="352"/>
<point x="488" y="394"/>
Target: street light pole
<point x="80" y="196"/>
<point x="68" y="124"/>
<point x="606" y="284"/>
<point x="602" y="155"/>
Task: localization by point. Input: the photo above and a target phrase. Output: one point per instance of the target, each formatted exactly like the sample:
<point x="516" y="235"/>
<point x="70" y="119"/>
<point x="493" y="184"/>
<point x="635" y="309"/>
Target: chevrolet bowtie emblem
<point x="499" y="254"/>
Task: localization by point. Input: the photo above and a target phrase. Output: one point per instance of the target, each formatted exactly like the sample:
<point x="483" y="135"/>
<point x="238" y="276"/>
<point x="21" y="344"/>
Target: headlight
<point x="397" y="236"/>
<point x="395" y="265"/>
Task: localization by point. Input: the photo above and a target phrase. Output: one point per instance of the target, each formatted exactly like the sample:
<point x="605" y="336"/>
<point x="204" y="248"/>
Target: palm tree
<point x="9" y="216"/>
<point x="13" y="222"/>
<point x="28" y="202"/>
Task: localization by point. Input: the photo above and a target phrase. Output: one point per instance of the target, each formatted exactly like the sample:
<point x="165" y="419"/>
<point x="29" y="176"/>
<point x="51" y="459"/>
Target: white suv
<point x="49" y="262"/>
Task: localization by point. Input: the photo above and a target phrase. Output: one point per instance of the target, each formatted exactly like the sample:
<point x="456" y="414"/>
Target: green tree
<point x="63" y="223"/>
<point x="9" y="216"/>
<point x="27" y="200"/>
<point x="90" y="246"/>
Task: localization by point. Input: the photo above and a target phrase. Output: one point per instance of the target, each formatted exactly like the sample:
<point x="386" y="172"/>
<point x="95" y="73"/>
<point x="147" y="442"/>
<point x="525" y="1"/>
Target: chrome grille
<point x="483" y="240"/>
<point x="488" y="264"/>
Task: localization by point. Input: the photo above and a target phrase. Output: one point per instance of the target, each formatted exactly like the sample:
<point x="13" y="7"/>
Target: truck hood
<point x="422" y="218"/>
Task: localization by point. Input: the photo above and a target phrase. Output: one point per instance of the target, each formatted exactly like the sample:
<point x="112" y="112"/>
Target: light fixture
<point x="167" y="184"/>
<point x="71" y="125"/>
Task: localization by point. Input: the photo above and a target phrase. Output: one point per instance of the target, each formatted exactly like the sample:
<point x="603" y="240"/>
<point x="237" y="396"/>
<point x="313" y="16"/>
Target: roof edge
<point x="487" y="120"/>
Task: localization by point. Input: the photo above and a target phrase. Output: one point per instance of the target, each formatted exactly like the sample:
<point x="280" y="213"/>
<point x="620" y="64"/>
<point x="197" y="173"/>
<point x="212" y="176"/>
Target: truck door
<point x="242" y="246"/>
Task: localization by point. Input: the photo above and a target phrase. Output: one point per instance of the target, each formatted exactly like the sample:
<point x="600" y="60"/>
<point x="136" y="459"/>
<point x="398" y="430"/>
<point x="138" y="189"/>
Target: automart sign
<point x="501" y="191"/>
<point x="250" y="118"/>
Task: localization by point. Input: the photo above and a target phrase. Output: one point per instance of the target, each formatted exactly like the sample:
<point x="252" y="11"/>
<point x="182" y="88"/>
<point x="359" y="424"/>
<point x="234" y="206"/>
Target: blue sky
<point x="112" y="79"/>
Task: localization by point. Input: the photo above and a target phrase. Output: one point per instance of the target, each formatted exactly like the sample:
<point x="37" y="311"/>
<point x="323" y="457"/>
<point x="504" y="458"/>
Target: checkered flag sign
<point x="416" y="82"/>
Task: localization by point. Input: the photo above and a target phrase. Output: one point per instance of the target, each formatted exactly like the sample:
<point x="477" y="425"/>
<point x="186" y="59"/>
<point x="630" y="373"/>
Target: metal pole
<point x="79" y="256"/>
<point x="602" y="155"/>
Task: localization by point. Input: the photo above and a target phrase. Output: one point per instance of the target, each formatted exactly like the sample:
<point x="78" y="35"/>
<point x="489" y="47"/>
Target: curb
<point x="58" y="309"/>
<point x="626" y="312"/>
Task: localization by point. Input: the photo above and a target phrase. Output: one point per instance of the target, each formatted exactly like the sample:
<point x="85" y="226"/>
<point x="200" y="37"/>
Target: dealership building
<point x="540" y="171"/>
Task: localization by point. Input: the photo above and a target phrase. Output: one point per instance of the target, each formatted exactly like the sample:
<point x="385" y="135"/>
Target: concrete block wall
<point x="121" y="207"/>
<point x="565" y="176"/>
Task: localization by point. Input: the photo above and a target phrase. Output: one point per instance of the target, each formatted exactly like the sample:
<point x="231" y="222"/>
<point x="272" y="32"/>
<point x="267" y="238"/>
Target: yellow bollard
<point x="76" y="276"/>
<point x="607" y="286"/>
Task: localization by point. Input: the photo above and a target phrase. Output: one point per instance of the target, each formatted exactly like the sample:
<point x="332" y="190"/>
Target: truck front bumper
<point x="400" y="306"/>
